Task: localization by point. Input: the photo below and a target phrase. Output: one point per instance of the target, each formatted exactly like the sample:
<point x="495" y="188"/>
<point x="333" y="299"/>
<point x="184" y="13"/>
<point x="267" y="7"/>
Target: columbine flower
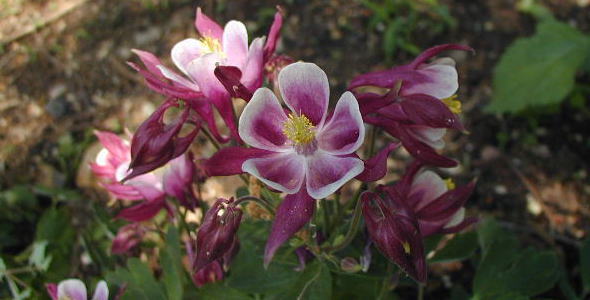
<point x="395" y="232"/>
<point x="112" y="164"/>
<point x="420" y="106"/>
<point x="436" y="203"/>
<point x="74" y="289"/>
<point x="197" y="59"/>
<point x="307" y="149"/>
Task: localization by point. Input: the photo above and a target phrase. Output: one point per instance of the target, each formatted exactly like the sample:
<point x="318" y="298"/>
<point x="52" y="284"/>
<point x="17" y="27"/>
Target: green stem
<point x="211" y="138"/>
<point x="326" y="216"/>
<point x="356" y="219"/>
<point x="260" y="201"/>
<point x="420" y="292"/>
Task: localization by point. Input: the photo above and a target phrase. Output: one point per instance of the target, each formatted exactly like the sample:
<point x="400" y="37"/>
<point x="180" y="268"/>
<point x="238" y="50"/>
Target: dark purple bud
<point x="396" y="234"/>
<point x="127" y="238"/>
<point x="376" y="167"/>
<point x="230" y="254"/>
<point x="217" y="233"/>
<point x="211" y="273"/>
<point x="422" y="109"/>
<point x="292" y="214"/>
<point x="230" y="77"/>
<point x="155" y="143"/>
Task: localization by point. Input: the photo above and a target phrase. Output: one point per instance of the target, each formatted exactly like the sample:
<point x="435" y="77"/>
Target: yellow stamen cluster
<point x="407" y="248"/>
<point x="450" y="183"/>
<point x="299" y="129"/>
<point x="211" y="45"/>
<point x="453" y="104"/>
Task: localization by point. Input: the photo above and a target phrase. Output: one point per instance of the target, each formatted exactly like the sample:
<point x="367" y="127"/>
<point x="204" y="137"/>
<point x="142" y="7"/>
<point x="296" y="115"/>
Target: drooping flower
<point x="197" y="58"/>
<point x="112" y="164"/>
<point x="420" y="105"/>
<point x="211" y="273"/>
<point x="436" y="203"/>
<point x="75" y="289"/>
<point x="216" y="238"/>
<point x="395" y="232"/>
<point x="309" y="150"/>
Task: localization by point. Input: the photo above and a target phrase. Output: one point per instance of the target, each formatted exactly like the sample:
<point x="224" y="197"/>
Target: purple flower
<point x="217" y="237"/>
<point x="420" y="105"/>
<point x="74" y="289"/>
<point x="112" y="164"/>
<point x="309" y="149"/>
<point x="436" y="203"/>
<point x="395" y="232"/>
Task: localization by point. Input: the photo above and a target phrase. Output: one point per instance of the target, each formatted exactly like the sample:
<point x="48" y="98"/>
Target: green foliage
<point x="173" y="274"/>
<point x="400" y="20"/>
<point x="506" y="272"/>
<point x="139" y="280"/>
<point x="314" y="283"/>
<point x="462" y="246"/>
<point x="539" y="70"/>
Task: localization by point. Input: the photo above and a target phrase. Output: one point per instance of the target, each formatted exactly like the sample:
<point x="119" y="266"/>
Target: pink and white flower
<point x="75" y="289"/>
<point x="112" y="166"/>
<point x="308" y="148"/>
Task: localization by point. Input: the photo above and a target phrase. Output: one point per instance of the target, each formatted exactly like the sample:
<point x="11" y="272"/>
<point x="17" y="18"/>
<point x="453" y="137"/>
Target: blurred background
<point x="525" y="100"/>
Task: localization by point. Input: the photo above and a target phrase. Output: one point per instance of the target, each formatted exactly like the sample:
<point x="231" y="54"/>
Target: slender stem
<point x="326" y="216"/>
<point x="260" y="201"/>
<point x="356" y="219"/>
<point x="386" y="284"/>
<point x="420" y="292"/>
<point x="211" y="138"/>
<point x="372" y="138"/>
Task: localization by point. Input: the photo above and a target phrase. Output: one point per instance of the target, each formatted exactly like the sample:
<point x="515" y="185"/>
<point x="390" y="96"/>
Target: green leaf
<point x="248" y="273"/>
<point x="140" y="281"/>
<point x="462" y="246"/>
<point x="539" y="70"/>
<point x="214" y="291"/>
<point x="506" y="270"/>
<point x="585" y="264"/>
<point x="314" y="283"/>
<point x="172" y="266"/>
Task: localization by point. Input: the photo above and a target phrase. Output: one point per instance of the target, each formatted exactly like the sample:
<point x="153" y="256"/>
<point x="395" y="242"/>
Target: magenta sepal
<point x="228" y="161"/>
<point x="143" y="211"/>
<point x="51" y="290"/>
<point x="417" y="149"/>
<point x="217" y="233"/>
<point x="422" y="109"/>
<point x="408" y="74"/>
<point x="156" y="143"/>
<point x="230" y="77"/>
<point x="273" y="35"/>
<point x="376" y="166"/>
<point x="396" y="234"/>
<point x="292" y="214"/>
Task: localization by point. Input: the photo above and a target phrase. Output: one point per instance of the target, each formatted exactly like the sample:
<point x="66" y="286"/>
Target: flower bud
<point x="350" y="265"/>
<point x="396" y="234"/>
<point x="217" y="234"/>
<point x="156" y="143"/>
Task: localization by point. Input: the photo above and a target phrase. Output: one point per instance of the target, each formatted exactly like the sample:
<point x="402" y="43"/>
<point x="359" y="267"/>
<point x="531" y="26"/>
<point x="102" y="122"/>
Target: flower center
<point x="211" y="45"/>
<point x="299" y="129"/>
<point x="453" y="104"/>
<point x="450" y="183"/>
<point x="407" y="247"/>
